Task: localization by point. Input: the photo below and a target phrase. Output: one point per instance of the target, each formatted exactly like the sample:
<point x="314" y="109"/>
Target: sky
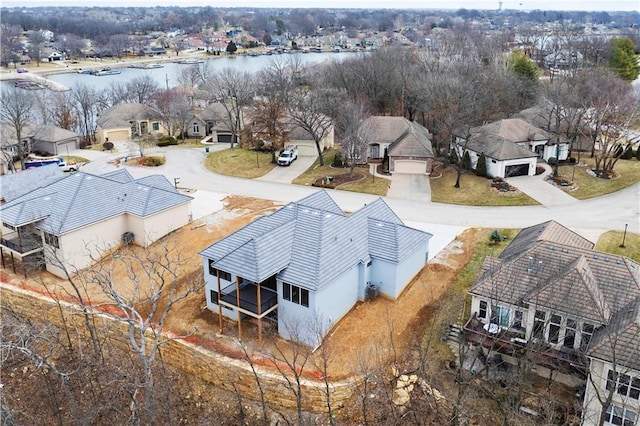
<point x="590" y="5"/>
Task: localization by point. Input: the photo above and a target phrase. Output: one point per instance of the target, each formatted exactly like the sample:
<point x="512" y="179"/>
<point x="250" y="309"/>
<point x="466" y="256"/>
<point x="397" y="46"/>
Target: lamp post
<point x="624" y="235"/>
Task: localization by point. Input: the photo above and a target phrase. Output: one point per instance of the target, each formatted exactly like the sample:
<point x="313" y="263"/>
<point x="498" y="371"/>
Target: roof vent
<point x="618" y="261"/>
<point x="550" y="247"/>
<point x="595" y="256"/>
<point x="606" y="259"/>
<point x="530" y="265"/>
<point x="564" y="250"/>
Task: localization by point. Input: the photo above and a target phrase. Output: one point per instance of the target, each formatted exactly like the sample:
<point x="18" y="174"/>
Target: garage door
<point x="517" y="170"/>
<point x="63" y="148"/>
<point x="410" y="166"/>
<point x="306" y="150"/>
<point x="117" y="135"/>
<point x="224" y="138"/>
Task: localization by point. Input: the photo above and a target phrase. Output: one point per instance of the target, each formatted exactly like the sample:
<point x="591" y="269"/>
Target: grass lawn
<point x="609" y="242"/>
<point x="74" y="159"/>
<point x="473" y="191"/>
<point x="239" y="162"/>
<point x="378" y="186"/>
<point x="589" y="186"/>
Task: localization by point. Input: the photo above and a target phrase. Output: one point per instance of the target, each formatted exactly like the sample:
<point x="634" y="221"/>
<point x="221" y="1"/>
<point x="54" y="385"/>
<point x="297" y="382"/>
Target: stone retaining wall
<point x="230" y="373"/>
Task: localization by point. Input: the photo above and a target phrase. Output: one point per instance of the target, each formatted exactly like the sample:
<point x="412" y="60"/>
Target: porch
<point x="512" y="343"/>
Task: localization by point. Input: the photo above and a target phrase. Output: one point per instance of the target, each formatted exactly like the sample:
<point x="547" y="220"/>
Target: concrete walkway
<point x="540" y="190"/>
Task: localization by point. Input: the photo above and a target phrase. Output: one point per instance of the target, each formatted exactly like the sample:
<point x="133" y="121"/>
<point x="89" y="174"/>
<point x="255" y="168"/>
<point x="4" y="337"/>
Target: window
<point x="620" y="416"/>
<point x="155" y="126"/>
<point x="587" y="332"/>
<point x="482" y="311"/>
<point x="569" y="334"/>
<point x="295" y="294"/>
<point x="624" y="384"/>
<point x="517" y="320"/>
<point x="538" y="324"/>
<point x="51" y="240"/>
<point x="213" y="271"/>
<point x="214" y="296"/>
<point x="501" y="316"/>
<point x="196" y="128"/>
<point x="554" y="328"/>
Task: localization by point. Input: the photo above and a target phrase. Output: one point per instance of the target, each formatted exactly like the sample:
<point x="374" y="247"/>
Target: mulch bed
<point x="333" y="181"/>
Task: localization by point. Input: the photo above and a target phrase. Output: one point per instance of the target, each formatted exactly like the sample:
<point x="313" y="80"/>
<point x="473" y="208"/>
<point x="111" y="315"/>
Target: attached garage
<point x="224" y="138"/>
<point x="517" y="170"/>
<point x="116" y="135"/>
<point x="307" y="149"/>
<point x="65" y="147"/>
<point x="409" y="166"/>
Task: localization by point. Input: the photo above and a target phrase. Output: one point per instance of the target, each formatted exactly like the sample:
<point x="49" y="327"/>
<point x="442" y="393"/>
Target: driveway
<point x="540" y="190"/>
<point x="408" y="186"/>
<point x="282" y="174"/>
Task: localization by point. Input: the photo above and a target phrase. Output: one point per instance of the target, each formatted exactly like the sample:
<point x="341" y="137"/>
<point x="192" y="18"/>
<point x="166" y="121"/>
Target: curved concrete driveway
<point x="287" y="174"/>
<point x="589" y="217"/>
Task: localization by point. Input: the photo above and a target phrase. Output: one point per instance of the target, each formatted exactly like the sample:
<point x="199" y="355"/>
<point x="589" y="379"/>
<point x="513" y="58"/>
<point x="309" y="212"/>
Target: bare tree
<point x="235" y="91"/>
<point x="85" y="99"/>
<point x="354" y="129"/>
<point x="143" y="304"/>
<point x="18" y="112"/>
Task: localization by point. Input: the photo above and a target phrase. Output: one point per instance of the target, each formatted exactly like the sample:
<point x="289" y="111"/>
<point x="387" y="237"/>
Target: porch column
<point x="238" y="307"/>
<point x="219" y="305"/>
<point x="259" y="315"/>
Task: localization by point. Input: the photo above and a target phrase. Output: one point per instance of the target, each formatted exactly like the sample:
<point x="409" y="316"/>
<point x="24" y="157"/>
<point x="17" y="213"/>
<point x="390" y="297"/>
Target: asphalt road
<point x="589" y="217"/>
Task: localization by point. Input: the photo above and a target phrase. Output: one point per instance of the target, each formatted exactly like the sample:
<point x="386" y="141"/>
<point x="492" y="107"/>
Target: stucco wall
<point x="409" y="267"/>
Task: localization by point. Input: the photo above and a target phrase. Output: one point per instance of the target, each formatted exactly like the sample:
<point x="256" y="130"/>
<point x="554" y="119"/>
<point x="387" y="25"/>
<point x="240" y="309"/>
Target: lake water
<point x="169" y="73"/>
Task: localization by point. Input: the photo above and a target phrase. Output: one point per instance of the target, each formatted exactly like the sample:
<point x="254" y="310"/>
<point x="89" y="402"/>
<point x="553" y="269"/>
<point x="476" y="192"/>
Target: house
<point x="212" y="122"/>
<point x="152" y="51"/>
<point x="124" y="122"/>
<point x="563" y="59"/>
<point x="511" y="147"/>
<point x="307" y="264"/>
<point x="296" y="135"/>
<point x="407" y="143"/>
<point x="571" y="310"/>
<point x="542" y="117"/>
<point x="52" y="55"/>
<point x="14" y="185"/>
<point x="72" y="221"/>
<point x="37" y="137"/>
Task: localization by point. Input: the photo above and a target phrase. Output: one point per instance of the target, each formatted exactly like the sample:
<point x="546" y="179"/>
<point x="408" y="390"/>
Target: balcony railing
<point x="22" y="243"/>
<point x="249" y="298"/>
<point x="511" y="343"/>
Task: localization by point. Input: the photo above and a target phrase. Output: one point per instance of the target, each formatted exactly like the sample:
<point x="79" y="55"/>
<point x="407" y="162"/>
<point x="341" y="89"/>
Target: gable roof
<point x="120" y="115"/>
<point x="311" y="242"/>
<point x="497" y="147"/>
<point x="618" y="341"/>
<point x="14" y="185"/>
<point x="82" y="199"/>
<point x="406" y="138"/>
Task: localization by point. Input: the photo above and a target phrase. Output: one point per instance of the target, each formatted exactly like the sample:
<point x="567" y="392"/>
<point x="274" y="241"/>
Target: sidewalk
<point x="540" y="190"/>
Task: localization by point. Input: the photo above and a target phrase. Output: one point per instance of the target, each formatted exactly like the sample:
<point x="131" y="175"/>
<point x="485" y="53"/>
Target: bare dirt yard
<point x="381" y="325"/>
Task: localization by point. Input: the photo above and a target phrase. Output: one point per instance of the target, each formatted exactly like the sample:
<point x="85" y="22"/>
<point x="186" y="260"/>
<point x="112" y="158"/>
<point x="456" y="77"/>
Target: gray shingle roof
<point x="14" y="185"/>
<point x="497" y="147"/>
<point x="311" y="242"/>
<point x="81" y="199"/>
<point x="407" y="138"/>
<point x="120" y="115"/>
<point x="513" y="129"/>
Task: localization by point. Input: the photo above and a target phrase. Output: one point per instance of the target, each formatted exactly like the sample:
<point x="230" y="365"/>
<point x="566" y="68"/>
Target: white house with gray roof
<point x="511" y="146"/>
<point x="76" y="218"/>
<point x="309" y="263"/>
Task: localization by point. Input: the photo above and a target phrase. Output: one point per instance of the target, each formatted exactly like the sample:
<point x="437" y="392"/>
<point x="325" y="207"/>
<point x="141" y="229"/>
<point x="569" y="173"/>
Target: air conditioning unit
<point x="372" y="291"/>
<point x="127" y="238"/>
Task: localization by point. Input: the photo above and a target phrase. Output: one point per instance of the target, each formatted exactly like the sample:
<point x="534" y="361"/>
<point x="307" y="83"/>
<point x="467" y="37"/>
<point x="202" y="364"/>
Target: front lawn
<point x="239" y="162"/>
<point x="610" y="241"/>
<point x="473" y="191"/>
<point x="589" y="186"/>
<point x="368" y="185"/>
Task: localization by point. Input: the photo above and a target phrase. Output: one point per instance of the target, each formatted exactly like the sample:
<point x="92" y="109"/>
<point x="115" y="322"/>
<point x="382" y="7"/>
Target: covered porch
<point x="254" y="299"/>
<point x="25" y="244"/>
